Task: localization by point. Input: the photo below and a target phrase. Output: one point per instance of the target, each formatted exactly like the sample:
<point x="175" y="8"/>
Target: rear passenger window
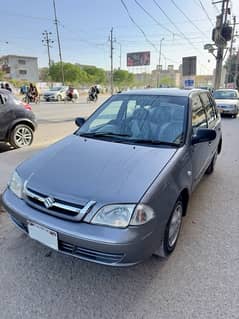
<point x="3" y="99"/>
<point x="209" y="108"/>
<point x="198" y="113"/>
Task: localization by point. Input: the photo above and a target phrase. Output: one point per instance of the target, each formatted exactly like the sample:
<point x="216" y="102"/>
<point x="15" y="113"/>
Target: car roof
<point x="163" y="91"/>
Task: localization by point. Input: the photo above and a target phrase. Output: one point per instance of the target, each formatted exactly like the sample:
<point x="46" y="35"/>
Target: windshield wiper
<point x="154" y="142"/>
<point x="102" y="134"/>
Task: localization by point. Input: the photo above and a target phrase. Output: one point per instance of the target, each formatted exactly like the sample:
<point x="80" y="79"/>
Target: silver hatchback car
<point x="115" y="191"/>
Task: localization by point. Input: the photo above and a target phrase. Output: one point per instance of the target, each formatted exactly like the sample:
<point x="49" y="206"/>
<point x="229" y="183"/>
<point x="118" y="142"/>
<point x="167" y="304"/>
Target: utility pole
<point x="231" y="49"/>
<point x="221" y="43"/>
<point x="160" y="52"/>
<point x="59" y="43"/>
<point x="111" y="62"/>
<point x="120" y="56"/>
<point x="47" y="42"/>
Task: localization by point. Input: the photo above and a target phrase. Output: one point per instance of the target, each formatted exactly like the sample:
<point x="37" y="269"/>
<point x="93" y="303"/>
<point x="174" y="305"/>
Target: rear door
<point x="200" y="151"/>
<point x="213" y="120"/>
<point x="7" y="115"/>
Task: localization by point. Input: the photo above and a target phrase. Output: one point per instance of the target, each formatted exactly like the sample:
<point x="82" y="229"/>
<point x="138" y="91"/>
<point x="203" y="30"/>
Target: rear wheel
<point x="172" y="231"/>
<point x="21" y="136"/>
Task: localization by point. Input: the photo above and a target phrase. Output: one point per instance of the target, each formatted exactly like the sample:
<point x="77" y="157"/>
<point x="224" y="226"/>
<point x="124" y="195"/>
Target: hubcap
<point x="175" y="224"/>
<point x="23" y="137"/>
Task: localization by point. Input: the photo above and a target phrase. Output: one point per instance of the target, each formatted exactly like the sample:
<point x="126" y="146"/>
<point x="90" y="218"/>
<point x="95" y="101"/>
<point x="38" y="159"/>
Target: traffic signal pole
<point x="221" y="45"/>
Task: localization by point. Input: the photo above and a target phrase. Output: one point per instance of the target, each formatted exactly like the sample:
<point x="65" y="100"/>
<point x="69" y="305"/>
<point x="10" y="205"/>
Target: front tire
<point x="172" y="231"/>
<point x="21" y="136"/>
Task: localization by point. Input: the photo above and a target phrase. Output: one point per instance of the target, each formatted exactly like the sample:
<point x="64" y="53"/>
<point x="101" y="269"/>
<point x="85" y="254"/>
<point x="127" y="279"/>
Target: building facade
<point x="20" y="67"/>
<point x="169" y="77"/>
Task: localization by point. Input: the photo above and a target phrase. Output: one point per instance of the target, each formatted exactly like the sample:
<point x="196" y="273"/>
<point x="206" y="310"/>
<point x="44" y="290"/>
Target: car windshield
<point x="229" y="95"/>
<point x="144" y="119"/>
<point x="55" y="89"/>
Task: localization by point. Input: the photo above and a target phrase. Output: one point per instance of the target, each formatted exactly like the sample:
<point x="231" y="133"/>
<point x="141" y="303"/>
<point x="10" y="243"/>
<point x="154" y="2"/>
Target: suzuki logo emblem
<point x="49" y="202"/>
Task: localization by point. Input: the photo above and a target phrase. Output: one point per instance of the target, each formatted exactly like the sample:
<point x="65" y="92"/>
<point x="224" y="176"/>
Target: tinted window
<point x="3" y="98"/>
<point x="209" y="108"/>
<point x="198" y="113"/>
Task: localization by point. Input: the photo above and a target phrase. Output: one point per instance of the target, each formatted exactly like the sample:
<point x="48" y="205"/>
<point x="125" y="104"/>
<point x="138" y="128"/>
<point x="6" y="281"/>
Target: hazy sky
<point x="85" y="26"/>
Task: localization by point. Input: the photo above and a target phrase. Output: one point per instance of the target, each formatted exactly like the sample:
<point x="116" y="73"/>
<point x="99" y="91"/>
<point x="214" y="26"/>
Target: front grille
<point x="89" y="254"/>
<point x="56" y="206"/>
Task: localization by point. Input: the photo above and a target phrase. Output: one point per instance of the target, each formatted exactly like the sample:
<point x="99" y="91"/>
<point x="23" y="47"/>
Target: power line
<point x="138" y="27"/>
<point x="176" y="27"/>
<point x="155" y="20"/>
<point x="205" y="11"/>
<point x="184" y="14"/>
<point x="182" y="34"/>
<point x="144" y="34"/>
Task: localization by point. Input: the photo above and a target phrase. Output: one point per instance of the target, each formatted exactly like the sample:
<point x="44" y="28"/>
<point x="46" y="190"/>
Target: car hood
<point x="89" y="169"/>
<point x="226" y="102"/>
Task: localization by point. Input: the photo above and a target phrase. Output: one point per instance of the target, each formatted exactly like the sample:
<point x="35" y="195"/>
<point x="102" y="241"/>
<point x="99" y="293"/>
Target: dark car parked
<point x="115" y="191"/>
<point x="17" y="122"/>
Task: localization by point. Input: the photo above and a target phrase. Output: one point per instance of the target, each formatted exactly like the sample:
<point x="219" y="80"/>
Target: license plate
<point x="42" y="234"/>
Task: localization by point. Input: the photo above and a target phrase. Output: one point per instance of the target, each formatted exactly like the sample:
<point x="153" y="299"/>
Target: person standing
<point x="7" y="87"/>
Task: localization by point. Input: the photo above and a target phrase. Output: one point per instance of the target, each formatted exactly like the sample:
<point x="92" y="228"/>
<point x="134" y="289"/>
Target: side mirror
<point x="79" y="121"/>
<point x="204" y="135"/>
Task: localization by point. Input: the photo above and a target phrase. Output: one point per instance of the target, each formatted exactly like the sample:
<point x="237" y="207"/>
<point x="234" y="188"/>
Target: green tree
<point x="95" y="75"/>
<point x="123" y="78"/>
<point x="232" y="68"/>
<point x="72" y="73"/>
<point x="167" y="81"/>
<point x="2" y="75"/>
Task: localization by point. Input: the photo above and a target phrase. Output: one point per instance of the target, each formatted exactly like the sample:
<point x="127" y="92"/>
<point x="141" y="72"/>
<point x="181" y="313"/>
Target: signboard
<point x="138" y="58"/>
<point x="189" y="66"/>
<point x="189" y="84"/>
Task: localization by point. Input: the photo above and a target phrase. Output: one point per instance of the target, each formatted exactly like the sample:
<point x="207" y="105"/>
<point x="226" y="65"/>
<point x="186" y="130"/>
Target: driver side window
<point x="198" y="114"/>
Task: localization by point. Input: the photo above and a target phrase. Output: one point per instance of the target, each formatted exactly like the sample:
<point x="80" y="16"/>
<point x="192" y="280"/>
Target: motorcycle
<point x="92" y="98"/>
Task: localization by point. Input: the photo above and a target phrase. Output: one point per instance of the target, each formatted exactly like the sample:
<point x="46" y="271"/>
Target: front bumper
<point x="99" y="244"/>
<point x="231" y="111"/>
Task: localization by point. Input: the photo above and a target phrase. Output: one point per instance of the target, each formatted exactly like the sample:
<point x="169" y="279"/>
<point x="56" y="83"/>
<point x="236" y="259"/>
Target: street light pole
<point x="59" y="43"/>
<point x="159" y="61"/>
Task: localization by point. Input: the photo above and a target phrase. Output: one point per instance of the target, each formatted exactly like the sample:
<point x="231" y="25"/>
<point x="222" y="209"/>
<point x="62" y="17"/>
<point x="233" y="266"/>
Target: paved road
<point x="56" y="120"/>
<point x="200" y="280"/>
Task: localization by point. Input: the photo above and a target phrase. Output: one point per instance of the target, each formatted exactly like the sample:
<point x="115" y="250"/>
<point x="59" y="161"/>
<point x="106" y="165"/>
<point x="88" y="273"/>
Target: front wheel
<point x="21" y="136"/>
<point x="172" y="231"/>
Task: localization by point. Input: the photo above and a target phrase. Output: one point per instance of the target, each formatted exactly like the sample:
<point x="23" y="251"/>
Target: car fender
<point x="26" y="121"/>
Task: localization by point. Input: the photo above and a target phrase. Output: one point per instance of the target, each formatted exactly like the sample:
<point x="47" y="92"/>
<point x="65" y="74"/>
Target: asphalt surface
<point x="200" y="279"/>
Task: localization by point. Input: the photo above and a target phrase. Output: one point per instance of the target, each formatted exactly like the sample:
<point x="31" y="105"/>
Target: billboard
<point x="138" y="58"/>
<point x="189" y="66"/>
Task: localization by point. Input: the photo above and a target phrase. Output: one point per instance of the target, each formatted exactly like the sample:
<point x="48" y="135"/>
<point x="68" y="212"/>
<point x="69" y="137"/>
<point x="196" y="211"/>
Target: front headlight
<point x="123" y="215"/>
<point x="16" y="184"/>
